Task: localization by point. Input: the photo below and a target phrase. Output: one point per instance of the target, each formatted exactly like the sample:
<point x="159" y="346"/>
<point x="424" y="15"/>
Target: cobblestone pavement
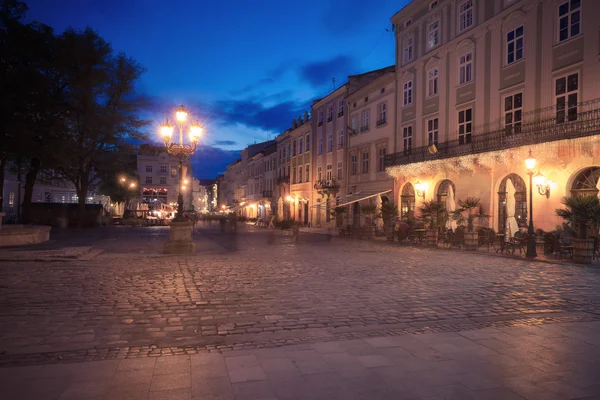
<point x="257" y="289"/>
<point x="551" y="361"/>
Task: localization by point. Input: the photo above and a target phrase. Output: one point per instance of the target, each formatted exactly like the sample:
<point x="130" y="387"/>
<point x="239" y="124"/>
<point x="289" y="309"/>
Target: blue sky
<point x="244" y="68"/>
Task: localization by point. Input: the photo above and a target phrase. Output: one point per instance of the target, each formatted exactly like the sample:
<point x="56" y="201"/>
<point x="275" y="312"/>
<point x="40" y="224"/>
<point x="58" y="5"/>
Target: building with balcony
<point x="300" y="164"/>
<point x="330" y="126"/>
<point x="371" y="104"/>
<point x="159" y="177"/>
<point x="481" y="84"/>
<point x="282" y="189"/>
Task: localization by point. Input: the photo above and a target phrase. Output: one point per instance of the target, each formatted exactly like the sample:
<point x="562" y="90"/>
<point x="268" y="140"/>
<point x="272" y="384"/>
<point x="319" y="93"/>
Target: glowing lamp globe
<point x="530" y="161"/>
<point x="181" y="114"/>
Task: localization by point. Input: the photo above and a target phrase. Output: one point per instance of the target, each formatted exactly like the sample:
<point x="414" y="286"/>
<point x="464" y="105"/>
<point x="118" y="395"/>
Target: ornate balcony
<point x="326" y="186"/>
<point x="381" y="122"/>
<point x="364" y="128"/>
<point x="538" y="126"/>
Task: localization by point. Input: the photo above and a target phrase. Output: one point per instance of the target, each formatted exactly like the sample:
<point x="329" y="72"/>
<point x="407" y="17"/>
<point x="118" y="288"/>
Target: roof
<point x="357" y="82"/>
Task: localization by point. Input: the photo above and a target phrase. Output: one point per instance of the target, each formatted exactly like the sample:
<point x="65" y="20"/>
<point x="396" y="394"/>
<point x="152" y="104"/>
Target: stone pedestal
<point x="180" y="241"/>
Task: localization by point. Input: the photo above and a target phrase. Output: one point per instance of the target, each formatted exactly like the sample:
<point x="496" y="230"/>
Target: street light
<point x="180" y="150"/>
<point x="531" y="251"/>
<point x="181" y="230"/>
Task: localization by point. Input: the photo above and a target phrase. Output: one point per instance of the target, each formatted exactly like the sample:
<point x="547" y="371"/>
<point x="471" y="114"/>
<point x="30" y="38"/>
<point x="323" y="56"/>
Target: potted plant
<point x="340" y="213"/>
<point x="389" y="213"/>
<point x="369" y="211"/>
<point x="583" y="213"/>
<point x="435" y="216"/>
<point x="469" y="211"/>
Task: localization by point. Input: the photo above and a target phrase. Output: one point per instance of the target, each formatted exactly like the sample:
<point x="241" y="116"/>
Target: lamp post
<point x="531" y="250"/>
<point x="181" y="230"/>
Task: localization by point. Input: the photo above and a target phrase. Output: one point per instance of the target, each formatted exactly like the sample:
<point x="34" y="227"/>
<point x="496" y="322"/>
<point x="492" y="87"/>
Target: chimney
<point x="299" y="120"/>
<point x="305" y="116"/>
<point x="293" y="124"/>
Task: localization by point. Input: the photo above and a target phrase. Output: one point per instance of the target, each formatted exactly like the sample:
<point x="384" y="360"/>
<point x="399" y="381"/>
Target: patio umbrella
<point x="450" y="207"/>
<point x="378" y="221"/>
<point x="511" y="222"/>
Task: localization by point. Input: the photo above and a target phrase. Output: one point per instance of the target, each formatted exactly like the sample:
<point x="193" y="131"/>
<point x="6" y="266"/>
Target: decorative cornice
<point x="495" y="25"/>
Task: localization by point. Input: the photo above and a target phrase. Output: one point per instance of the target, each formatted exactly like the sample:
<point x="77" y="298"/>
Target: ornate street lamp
<point x="531" y="250"/>
<point x="181" y="229"/>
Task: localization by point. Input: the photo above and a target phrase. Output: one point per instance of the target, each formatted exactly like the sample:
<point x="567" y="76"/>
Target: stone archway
<point x="520" y="201"/>
<point x="407" y="201"/>
<point x="586" y="182"/>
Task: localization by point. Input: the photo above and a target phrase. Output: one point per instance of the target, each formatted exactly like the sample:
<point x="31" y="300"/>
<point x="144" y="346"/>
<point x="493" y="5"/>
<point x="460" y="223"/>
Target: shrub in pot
<point x="583" y="214"/>
<point x="470" y="210"/>
<point x="340" y="214"/>
<point x="389" y="213"/>
<point x="434" y="216"/>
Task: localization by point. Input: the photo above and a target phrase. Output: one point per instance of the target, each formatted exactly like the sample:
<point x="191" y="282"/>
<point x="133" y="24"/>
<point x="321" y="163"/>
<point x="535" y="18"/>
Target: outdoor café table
<point x="501" y="237"/>
<point x="418" y="235"/>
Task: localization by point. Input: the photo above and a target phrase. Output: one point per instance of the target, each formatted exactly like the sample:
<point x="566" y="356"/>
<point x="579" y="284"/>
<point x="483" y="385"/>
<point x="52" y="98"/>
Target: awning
<point x="352" y="198"/>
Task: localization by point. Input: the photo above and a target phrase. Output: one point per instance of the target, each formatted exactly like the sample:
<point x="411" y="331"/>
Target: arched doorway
<point x="407" y="201"/>
<point x="444" y="189"/>
<point x="520" y="201"/>
<point x="586" y="182"/>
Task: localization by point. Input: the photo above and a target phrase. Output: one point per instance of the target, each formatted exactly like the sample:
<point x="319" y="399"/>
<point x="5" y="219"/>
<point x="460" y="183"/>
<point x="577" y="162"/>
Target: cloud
<point x="273" y="76"/>
<point x="210" y="161"/>
<point x="320" y="73"/>
<point x="225" y="143"/>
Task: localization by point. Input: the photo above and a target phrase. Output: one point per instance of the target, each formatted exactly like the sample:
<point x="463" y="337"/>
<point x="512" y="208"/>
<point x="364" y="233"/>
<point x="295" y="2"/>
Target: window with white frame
<point x="163" y="180"/>
<point x="300" y="146"/>
<point x="319" y="173"/>
<point x="341" y="139"/>
<point x="294" y="175"/>
<point x="365" y="121"/>
<point x="382" y="113"/>
<point x="432" y="131"/>
<point x="294" y="148"/>
<point x="433" y="81"/>
<point x="163" y="169"/>
<point x="407" y="138"/>
<point x="320" y="146"/>
<point x="365" y="161"/>
<point x="148" y="168"/>
<point x="381" y="152"/>
<point x="407" y="46"/>
<point x="465" y="126"/>
<point x="465" y="15"/>
<point x="514" y="45"/>
<point x="149" y="180"/>
<point x="340" y="174"/>
<point x="308" y="142"/>
<point x="569" y="20"/>
<point x="354" y="162"/>
<point x="407" y="93"/>
<point x="567" y="96"/>
<point x="433" y="34"/>
<point x="513" y="113"/>
<point x="320" y="118"/>
<point x="306" y="173"/>
<point x="330" y="143"/>
<point x="466" y="68"/>
<point x="354" y="123"/>
<point x="329" y="113"/>
<point x="328" y="172"/>
<point x="433" y="4"/>
<point x="340" y="108"/>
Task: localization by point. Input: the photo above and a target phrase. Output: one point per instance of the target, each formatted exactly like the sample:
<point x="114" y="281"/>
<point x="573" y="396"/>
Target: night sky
<point x="244" y="68"/>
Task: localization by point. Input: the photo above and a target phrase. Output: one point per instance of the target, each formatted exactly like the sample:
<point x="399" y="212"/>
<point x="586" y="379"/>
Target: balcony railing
<point x="341" y="113"/>
<point x="381" y="122"/>
<point x="538" y="126"/>
<point x="326" y="184"/>
<point x="320" y="123"/>
<point x="329" y="119"/>
<point x="267" y="193"/>
<point x="352" y="132"/>
<point x="364" y="128"/>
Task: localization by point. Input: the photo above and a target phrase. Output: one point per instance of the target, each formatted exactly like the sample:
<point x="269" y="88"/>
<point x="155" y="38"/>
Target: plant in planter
<point x="583" y="213"/>
<point x="389" y="213"/>
<point x="340" y="214"/>
<point x="435" y="216"/>
<point x="369" y="211"/>
<point x="469" y="211"/>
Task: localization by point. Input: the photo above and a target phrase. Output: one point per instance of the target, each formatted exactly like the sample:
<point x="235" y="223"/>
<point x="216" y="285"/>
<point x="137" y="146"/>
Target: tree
<point x="469" y="211"/>
<point x="434" y="214"/>
<point x="116" y="171"/>
<point x="103" y="108"/>
<point x="583" y="212"/>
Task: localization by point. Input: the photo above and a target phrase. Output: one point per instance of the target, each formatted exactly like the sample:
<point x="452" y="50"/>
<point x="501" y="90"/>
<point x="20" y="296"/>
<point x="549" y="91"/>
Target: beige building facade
<point x="481" y="83"/>
<point x="301" y="179"/>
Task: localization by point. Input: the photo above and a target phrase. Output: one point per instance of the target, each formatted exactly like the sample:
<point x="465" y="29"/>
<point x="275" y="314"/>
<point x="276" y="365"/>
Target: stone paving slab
<point x="554" y="361"/>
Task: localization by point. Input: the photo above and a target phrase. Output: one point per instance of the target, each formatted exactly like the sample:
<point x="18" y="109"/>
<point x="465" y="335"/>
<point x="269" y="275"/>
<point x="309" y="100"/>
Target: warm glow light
<point x="195" y="131"/>
<point x="530" y="161"/>
<point x="185" y="181"/>
<point x="123" y="179"/>
<point x="539" y="180"/>
<point x="181" y="114"/>
<point x="223" y="206"/>
<point x="166" y="130"/>
<point x="289" y="198"/>
<point x="132" y="185"/>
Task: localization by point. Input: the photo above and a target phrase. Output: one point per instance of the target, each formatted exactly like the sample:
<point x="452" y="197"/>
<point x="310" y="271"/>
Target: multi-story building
<point x="371" y="105"/>
<point x="330" y="127"/>
<point x="283" y="195"/>
<point x="301" y="178"/>
<point x="484" y="83"/>
<point x="202" y="195"/>
<point x="159" y="177"/>
<point x="267" y="205"/>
